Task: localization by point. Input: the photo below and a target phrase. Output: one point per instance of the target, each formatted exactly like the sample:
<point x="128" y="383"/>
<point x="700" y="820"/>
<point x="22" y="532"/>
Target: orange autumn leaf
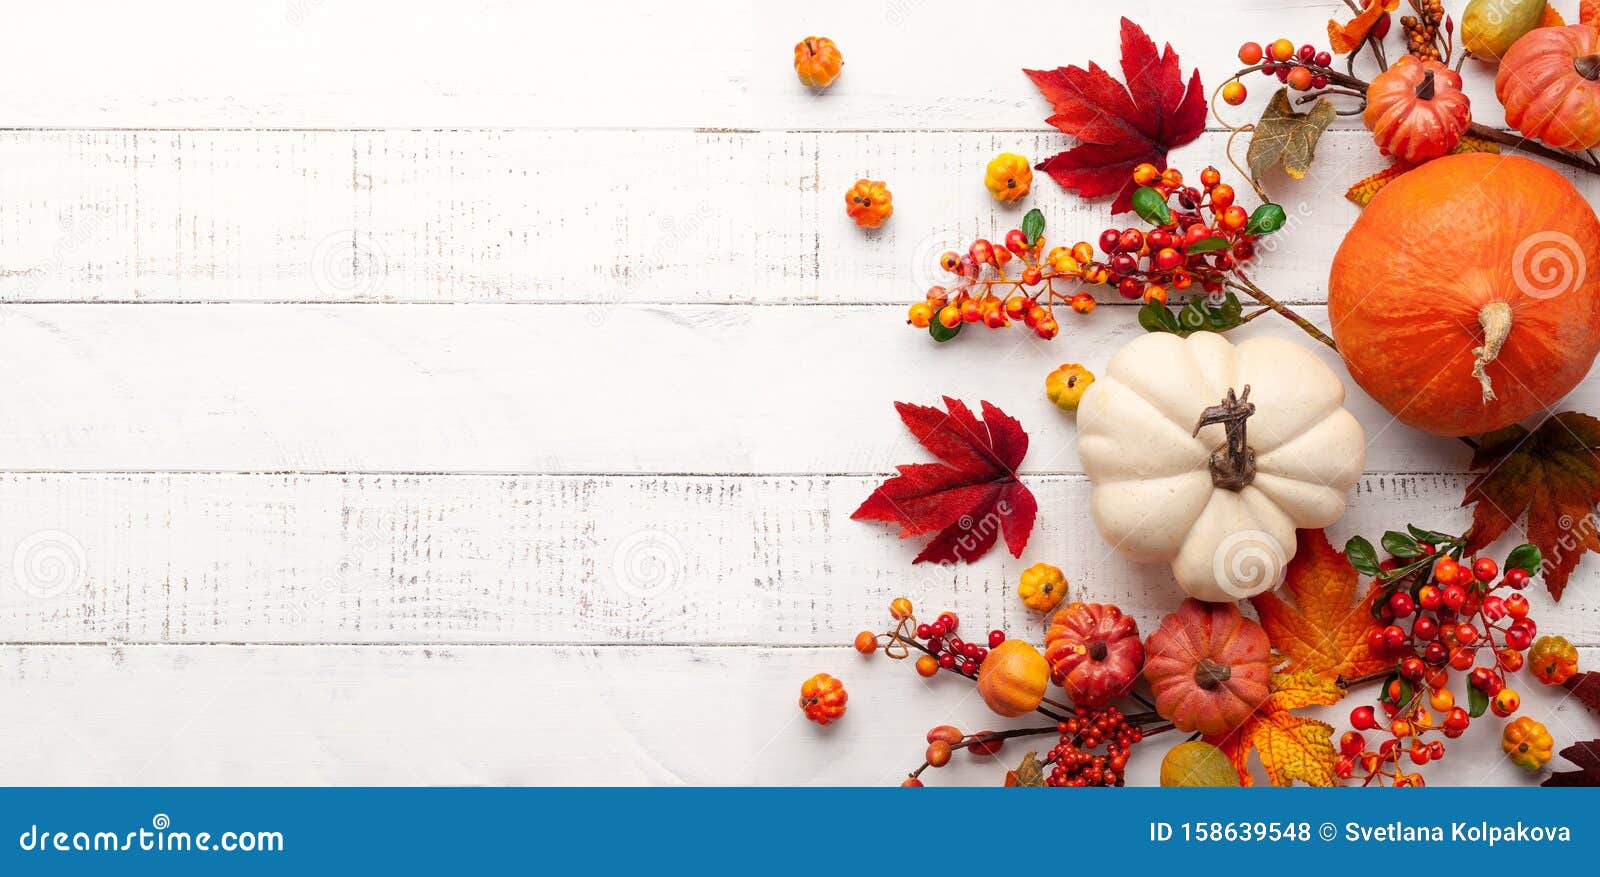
<point x="1588" y="12"/>
<point x="1325" y="630"/>
<point x="1291" y="747"/>
<point x="1552" y="18"/>
<point x="1345" y="37"/>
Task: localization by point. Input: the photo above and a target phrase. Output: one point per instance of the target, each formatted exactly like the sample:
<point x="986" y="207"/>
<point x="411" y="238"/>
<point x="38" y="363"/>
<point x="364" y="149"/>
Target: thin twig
<point x="1242" y="284"/>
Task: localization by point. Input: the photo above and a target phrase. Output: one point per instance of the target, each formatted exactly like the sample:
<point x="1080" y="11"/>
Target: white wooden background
<point x="478" y="392"/>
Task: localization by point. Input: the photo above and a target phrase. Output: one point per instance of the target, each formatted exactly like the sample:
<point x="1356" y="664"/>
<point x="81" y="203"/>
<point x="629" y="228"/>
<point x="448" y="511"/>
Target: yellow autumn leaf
<point x="1291" y="747"/>
<point x="1361" y="193"/>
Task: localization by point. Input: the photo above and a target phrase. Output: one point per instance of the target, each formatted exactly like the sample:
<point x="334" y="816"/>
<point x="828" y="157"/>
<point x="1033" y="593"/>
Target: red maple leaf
<point x="970" y="498"/>
<point x="1120" y="126"/>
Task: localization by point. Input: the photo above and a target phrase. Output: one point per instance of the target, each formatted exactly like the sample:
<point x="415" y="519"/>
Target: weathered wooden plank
<point x="503" y="388"/>
<point x="453" y="558"/>
<point x="593" y="217"/>
<point x="221" y="715"/>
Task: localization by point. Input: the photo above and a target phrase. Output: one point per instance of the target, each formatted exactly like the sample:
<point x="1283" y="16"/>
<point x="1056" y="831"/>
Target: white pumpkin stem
<point x="1495" y="318"/>
<point x="1233" y="466"/>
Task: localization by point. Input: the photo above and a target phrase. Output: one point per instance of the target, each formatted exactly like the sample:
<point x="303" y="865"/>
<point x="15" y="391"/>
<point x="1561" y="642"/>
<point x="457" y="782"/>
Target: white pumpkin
<point x="1164" y="491"/>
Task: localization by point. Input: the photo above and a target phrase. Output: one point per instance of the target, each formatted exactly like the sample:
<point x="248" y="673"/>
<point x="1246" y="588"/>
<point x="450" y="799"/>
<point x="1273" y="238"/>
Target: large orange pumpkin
<point x="1012" y="679"/>
<point x="1416" y="109"/>
<point x="1549" y="82"/>
<point x="1467" y="295"/>
<point x="1208" y="667"/>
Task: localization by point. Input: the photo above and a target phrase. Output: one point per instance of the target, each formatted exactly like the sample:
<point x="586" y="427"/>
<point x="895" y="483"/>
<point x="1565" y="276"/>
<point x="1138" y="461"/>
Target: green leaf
<point x="1267" y="219"/>
<point x="1401" y="544"/>
<point x="1033" y="226"/>
<point x="1431" y="536"/>
<point x="1155" y="317"/>
<point x="1207" y="245"/>
<point x="1283" y="136"/>
<point x="1526" y="558"/>
<point x="1477" y="701"/>
<point x="1151" y="206"/>
<point x="1361" y="555"/>
<point x="1201" y="314"/>
<point x="940" y="333"/>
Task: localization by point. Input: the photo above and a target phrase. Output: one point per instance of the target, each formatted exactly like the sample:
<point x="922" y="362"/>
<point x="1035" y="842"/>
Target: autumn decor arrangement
<point x="1464" y="299"/>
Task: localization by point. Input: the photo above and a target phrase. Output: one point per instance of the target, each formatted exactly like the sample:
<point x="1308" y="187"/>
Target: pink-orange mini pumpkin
<point x="1208" y="667"/>
<point x="1549" y="82"/>
<point x="1416" y="109"/>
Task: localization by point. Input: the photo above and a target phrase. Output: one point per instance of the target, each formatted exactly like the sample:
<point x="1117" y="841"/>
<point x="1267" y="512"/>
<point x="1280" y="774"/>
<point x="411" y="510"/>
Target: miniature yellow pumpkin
<point x="1008" y="177"/>
<point x="1012" y="679"/>
<point x="1042" y="587"/>
<point x="1527" y="743"/>
<point x="1065" y="386"/>
<point x="817" y="61"/>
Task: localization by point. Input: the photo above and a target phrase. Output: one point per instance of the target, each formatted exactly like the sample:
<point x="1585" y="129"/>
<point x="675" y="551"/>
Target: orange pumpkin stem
<point x="1495" y="318"/>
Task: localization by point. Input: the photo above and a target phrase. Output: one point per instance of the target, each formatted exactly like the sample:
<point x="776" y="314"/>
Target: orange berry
<point x="1250" y="54"/>
<point x="1146" y="173"/>
<point x="1172" y="177"/>
<point x="1281" y="50"/>
<point x="866" y="642"/>
<point x="950" y="316"/>
<point x="1083" y="252"/>
<point x="1442" y="700"/>
<point x="920" y="315"/>
<point x="1221" y="196"/>
<point x="938" y="754"/>
<point x="1083" y="302"/>
<point x="927" y="665"/>
<point x="1155" y="293"/>
<point x="1234" y="218"/>
<point x="1446" y="570"/>
<point x="1299" y="79"/>
<point x="1210" y="177"/>
<point x="900" y="609"/>
<point x="1233" y="94"/>
<point x="1016" y="306"/>
<point x="1505" y="703"/>
<point x="1047" y="328"/>
<point x="951" y="261"/>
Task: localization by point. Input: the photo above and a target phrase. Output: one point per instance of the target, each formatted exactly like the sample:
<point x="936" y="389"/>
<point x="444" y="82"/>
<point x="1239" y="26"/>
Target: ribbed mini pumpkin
<point x="1208" y="666"/>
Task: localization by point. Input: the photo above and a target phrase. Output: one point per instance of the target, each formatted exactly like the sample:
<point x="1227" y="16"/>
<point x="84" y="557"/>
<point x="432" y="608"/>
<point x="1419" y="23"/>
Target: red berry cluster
<point x="1438" y="613"/>
<point x="985" y="293"/>
<point x="1072" y="761"/>
<point x="1203" y="237"/>
<point x="951" y="651"/>
<point x="1305" y="69"/>
<point x="942" y="648"/>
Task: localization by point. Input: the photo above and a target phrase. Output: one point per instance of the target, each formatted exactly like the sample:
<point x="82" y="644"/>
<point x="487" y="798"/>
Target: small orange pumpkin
<point x="817" y="61"/>
<point x="1464" y="331"/>
<point x="1012" y="679"/>
<point x="1094" y="652"/>
<point x="869" y="203"/>
<point x="1208" y="667"/>
<point x="1416" y="109"/>
<point x="822" y="698"/>
<point x="1549" y="83"/>
<point x="1008" y="177"/>
<point x="1553" y="660"/>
